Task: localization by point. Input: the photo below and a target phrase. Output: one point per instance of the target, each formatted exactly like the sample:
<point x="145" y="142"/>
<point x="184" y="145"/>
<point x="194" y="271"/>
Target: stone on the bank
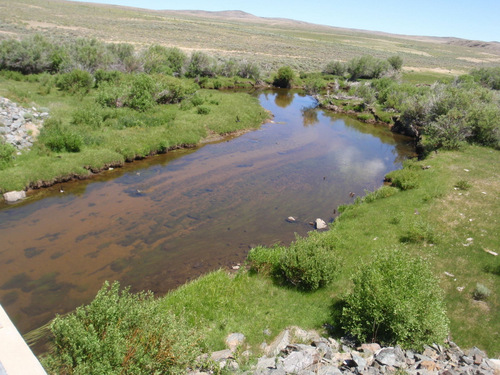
<point x="320" y="224"/>
<point x="14" y="196"/>
<point x="280" y="343"/>
<point x="234" y="340"/>
<point x="298" y="361"/>
<point x="393" y="357"/>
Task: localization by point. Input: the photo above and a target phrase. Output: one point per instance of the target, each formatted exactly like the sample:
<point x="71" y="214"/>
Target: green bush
<point x="88" y="115"/>
<point x="110" y="95"/>
<point x="403" y="179"/>
<point x="59" y="138"/>
<point x="284" y="77"/>
<point x="121" y="333"/>
<point x="172" y="90"/>
<point x="463" y="185"/>
<point x="200" y="65"/>
<point x="76" y="81"/>
<point x="159" y="59"/>
<point x="335" y="68"/>
<point x="489" y="77"/>
<point x="366" y="67"/>
<point x="203" y="110"/>
<point x="141" y="93"/>
<point x="6" y="155"/>
<point x="396" y="300"/>
<point x="418" y="231"/>
<point x="396" y="62"/>
<point x="309" y="263"/>
<point x="380" y="193"/>
<point x="481" y="292"/>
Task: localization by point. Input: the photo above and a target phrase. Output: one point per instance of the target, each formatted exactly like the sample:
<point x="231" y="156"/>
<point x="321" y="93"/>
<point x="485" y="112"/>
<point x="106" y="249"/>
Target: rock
<point x="429" y="366"/>
<point x="235" y="340"/>
<point x="359" y="361"/>
<point x="221" y="355"/>
<point x="370" y="348"/>
<point x="393" y="357"/>
<point x="320" y="224"/>
<point x="304" y="336"/>
<point x="329" y="370"/>
<point x="298" y="361"/>
<point x="14" y="196"/>
<point x="290" y="219"/>
<point x="280" y="343"/>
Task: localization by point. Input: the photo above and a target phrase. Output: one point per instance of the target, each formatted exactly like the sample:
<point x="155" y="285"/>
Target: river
<point x="157" y="223"/>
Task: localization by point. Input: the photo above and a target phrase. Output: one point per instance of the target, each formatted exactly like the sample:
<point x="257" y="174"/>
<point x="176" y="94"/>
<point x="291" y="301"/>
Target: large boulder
<point x="14" y="196"/>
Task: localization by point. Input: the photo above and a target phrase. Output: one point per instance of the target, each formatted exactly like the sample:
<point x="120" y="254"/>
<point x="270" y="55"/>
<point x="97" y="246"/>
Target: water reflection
<point x="156" y="223"/>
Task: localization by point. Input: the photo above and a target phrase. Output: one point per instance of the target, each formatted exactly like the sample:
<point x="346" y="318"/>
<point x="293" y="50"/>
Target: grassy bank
<point x="456" y="199"/>
<point x="111" y="136"/>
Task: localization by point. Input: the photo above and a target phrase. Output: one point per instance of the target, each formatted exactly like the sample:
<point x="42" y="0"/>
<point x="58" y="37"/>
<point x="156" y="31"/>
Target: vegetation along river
<point x="156" y="223"/>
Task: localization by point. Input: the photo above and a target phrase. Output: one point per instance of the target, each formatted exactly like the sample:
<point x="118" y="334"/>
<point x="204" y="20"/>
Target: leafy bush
<point x="88" y="116"/>
<point x="90" y="54"/>
<point x="366" y="67"/>
<point x="335" y="68"/>
<point x="110" y="95"/>
<point x="481" y="292"/>
<point x="140" y="95"/>
<point x="396" y="62"/>
<point x="463" y="185"/>
<point x="249" y="70"/>
<point x="203" y="110"/>
<point x="172" y="90"/>
<point x="396" y="300"/>
<point x="76" y="81"/>
<point x="121" y="333"/>
<point x="200" y="65"/>
<point x="6" y="154"/>
<point x="314" y="85"/>
<point x="418" y="231"/>
<point x="380" y="193"/>
<point x="489" y="77"/>
<point x="403" y="179"/>
<point x="159" y="59"/>
<point x="284" y="77"/>
<point x="101" y="76"/>
<point x="309" y="263"/>
<point x="58" y="137"/>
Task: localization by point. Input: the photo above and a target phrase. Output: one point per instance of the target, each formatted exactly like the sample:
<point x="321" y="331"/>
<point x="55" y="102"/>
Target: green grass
<point x="123" y="134"/>
<point x="432" y="220"/>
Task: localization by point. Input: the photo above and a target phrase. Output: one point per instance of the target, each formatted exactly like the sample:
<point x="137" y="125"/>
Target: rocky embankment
<point x="300" y="352"/>
<point x="20" y="126"/>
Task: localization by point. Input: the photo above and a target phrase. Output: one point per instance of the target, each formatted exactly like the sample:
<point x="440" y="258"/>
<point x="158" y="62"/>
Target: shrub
<point x="403" y="179"/>
<point x="159" y="59"/>
<point x="265" y="260"/>
<point x="418" y="231"/>
<point x="110" y="95"/>
<point x="380" y="193"/>
<point x="335" y="68"/>
<point x="172" y="90"/>
<point x="308" y="263"/>
<point x="76" y="81"/>
<point x="90" y="54"/>
<point x="6" y="155"/>
<point x="88" y="116"/>
<point x="121" y="333"/>
<point x="202" y="110"/>
<point x="396" y="62"/>
<point x="200" y="65"/>
<point x="489" y="77"/>
<point x="463" y="185"/>
<point x="284" y="77"/>
<point x="58" y="137"/>
<point x="366" y="67"/>
<point x="107" y="76"/>
<point x="249" y="70"/>
<point x="140" y="94"/>
<point x="314" y="85"/>
<point x="396" y="300"/>
<point x="481" y="292"/>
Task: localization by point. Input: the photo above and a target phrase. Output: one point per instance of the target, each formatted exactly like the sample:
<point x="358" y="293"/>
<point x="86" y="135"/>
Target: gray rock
<point x="393" y="357"/>
<point x="280" y="343"/>
<point x="221" y="355"/>
<point x="14" y="196"/>
<point x="297" y="361"/>
<point x="359" y="361"/>
<point x="234" y="340"/>
<point x="329" y="370"/>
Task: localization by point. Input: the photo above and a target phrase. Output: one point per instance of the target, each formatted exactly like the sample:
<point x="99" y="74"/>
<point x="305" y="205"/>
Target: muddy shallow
<point x="156" y="223"/>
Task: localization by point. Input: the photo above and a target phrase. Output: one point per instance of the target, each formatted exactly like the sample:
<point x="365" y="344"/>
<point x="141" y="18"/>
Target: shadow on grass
<point x="493" y="269"/>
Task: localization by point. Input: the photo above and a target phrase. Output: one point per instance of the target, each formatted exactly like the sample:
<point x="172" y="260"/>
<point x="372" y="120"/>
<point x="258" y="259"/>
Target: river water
<point x="157" y="223"/>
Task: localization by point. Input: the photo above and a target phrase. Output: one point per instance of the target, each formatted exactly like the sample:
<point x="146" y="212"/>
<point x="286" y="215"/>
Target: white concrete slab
<point x="16" y="358"/>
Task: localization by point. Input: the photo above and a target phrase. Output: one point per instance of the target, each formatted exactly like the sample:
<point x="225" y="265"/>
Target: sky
<point x="468" y="19"/>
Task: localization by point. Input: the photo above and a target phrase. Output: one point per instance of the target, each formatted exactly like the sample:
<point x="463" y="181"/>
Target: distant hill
<point x="272" y="42"/>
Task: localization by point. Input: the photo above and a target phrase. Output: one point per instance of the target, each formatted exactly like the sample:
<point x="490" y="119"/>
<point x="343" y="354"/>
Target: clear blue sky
<point x="468" y="19"/>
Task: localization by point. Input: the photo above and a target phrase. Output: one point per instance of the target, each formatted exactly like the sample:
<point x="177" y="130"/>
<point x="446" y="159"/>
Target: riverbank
<point x="110" y="137"/>
<point x="449" y="216"/>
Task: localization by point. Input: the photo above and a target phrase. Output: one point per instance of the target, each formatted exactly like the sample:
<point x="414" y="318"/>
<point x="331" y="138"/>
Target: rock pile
<point x="19" y="126"/>
<point x="326" y="356"/>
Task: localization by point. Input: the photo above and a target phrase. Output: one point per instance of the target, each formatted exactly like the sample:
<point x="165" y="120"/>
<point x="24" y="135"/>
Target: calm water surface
<point x="157" y="223"/>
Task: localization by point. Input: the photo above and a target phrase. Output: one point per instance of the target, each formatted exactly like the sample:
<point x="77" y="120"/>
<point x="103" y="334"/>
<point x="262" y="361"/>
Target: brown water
<point x="157" y="223"/>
